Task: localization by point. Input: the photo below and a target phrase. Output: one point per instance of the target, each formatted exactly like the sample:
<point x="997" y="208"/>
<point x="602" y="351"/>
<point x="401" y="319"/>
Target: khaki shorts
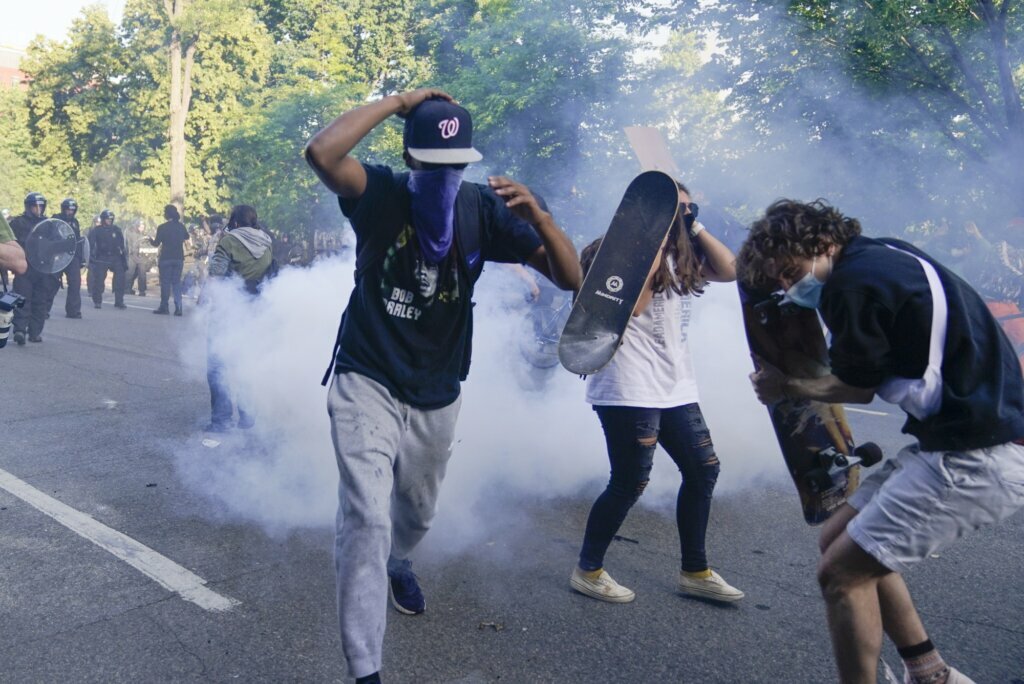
<point x="920" y="502"/>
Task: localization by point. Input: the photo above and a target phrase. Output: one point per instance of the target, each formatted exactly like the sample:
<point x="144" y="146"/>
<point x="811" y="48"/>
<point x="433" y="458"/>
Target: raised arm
<point x="720" y="263"/>
<point x="556" y="258"/>
<point x="328" y="151"/>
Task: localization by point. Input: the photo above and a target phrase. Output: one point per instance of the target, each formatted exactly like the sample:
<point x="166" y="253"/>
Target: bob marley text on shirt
<point x="412" y="288"/>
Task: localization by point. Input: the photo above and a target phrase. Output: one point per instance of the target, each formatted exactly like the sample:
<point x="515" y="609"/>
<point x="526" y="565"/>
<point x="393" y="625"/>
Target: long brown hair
<point x="685" y="277"/>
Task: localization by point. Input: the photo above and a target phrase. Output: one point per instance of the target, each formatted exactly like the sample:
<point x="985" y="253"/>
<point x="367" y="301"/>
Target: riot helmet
<point x="68" y="206"/>
<point x="35" y="199"/>
<point x="105" y="215"/>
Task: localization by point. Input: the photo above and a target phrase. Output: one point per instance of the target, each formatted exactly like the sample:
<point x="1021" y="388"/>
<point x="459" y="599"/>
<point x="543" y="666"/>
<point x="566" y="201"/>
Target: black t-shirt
<point x="171" y="237"/>
<point x="408" y="324"/>
<point x="878" y="306"/>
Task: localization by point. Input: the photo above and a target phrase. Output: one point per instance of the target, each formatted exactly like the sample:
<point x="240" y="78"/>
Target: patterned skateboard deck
<point x="815" y="437"/>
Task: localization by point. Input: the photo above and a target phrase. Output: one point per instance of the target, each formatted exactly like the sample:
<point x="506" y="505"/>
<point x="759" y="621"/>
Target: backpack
<point x="254" y="285"/>
<point x="469" y="221"/>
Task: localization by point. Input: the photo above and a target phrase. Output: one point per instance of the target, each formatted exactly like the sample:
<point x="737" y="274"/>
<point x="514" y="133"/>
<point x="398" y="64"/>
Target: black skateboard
<point x="613" y="285"/>
<point x="814" y="436"/>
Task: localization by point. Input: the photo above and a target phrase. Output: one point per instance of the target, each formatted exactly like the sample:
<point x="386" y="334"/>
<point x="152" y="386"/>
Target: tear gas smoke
<point x="512" y="442"/>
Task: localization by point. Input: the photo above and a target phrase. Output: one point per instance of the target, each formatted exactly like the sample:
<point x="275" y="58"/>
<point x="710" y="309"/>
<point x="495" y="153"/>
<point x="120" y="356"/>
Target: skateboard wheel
<point x="869" y="453"/>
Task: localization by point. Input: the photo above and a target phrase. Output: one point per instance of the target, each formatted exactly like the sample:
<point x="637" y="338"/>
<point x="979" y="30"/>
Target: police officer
<point x="107" y="252"/>
<point x="36" y="287"/>
<point x="73" y="272"/>
<point x="138" y="265"/>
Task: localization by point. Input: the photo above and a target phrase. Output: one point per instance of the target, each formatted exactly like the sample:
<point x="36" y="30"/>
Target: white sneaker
<point x="603" y="588"/>
<point x="955" y="677"/>
<point x="713" y="587"/>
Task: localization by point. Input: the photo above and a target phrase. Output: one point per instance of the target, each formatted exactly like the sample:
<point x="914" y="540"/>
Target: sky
<point x="22" y="21"/>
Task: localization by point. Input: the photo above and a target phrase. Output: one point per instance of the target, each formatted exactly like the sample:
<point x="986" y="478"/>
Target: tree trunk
<point x="181" y="59"/>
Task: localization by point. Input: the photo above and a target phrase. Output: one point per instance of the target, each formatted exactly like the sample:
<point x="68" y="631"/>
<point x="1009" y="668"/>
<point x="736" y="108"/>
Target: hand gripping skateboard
<point x="612" y="287"/>
<point x="814" y="436"/>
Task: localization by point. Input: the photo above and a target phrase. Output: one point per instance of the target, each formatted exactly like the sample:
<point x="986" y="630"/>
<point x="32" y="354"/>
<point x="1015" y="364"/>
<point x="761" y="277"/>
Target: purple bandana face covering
<point x="433" y="209"/>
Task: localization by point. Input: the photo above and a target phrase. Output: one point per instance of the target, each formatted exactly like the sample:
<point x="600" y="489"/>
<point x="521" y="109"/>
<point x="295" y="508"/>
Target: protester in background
<point x="36" y="287"/>
<point x="107" y="253"/>
<point x="73" y="271"/>
<point x="138" y="265"/>
<point x="243" y="252"/>
<point x="403" y="346"/>
<point x="170" y="238"/>
<point x="907" y="329"/>
<point x="647" y="395"/>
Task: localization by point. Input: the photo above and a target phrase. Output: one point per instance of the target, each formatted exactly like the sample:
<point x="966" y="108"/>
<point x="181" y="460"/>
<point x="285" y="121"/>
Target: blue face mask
<point x="806" y="292"/>
<point x="433" y="209"/>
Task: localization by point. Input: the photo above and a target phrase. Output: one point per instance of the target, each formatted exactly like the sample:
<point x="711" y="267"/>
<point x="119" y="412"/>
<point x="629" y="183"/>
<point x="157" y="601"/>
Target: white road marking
<point x="158" y="568"/>
<point x="865" y="411"/>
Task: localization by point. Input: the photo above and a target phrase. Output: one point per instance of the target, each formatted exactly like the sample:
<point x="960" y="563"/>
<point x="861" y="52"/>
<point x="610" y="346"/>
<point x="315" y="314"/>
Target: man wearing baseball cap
<point x="404" y="342"/>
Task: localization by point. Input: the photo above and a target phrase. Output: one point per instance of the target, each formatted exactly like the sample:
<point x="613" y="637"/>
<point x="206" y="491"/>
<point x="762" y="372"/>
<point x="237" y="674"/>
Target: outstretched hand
<point x="412" y="99"/>
<point x="518" y="198"/>
<point x="769" y="382"/>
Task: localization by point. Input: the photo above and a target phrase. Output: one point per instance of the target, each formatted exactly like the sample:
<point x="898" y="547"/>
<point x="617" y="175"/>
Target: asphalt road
<point x="88" y="417"/>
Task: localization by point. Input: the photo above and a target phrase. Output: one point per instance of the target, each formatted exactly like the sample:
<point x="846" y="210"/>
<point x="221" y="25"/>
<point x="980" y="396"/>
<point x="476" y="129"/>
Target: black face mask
<point x="688" y="219"/>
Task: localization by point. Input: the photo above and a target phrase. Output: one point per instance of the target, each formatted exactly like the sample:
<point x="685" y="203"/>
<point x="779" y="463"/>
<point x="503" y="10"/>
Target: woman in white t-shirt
<point x="647" y="395"/>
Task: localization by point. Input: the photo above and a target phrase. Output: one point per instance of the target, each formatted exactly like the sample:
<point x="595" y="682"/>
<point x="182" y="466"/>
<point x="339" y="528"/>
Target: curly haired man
<point x="908" y="330"/>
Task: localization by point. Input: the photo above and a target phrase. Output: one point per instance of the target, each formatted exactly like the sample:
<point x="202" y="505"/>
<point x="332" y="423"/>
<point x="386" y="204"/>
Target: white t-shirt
<point x="652" y="368"/>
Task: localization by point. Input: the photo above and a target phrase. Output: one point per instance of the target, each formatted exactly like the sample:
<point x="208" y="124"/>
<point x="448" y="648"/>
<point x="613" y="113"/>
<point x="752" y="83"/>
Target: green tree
<point x="210" y="55"/>
<point x="547" y="84"/>
<point x="915" y="104"/>
<point x="22" y="174"/>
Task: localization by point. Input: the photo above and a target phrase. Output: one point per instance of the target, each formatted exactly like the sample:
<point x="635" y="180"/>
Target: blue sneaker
<point x="404" y="590"/>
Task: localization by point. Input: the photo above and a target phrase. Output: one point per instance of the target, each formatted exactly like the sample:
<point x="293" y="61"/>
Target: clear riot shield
<point x="50" y="246"/>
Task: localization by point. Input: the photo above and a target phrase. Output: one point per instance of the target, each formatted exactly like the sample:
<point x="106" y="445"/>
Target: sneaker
<point x="177" y="312"/>
<point x="162" y="311"/>
<point x="97" y="305"/>
<point x="957" y="677"/>
<point x="19" y="338"/>
<point x="954" y="677"/>
<point x="217" y="427"/>
<point x="120" y="306"/>
<point x="74" y="315"/>
<point x="246" y="423"/>
<point x="404" y="590"/>
<point x="35" y="338"/>
<point x="603" y="588"/>
<point x="713" y="587"/>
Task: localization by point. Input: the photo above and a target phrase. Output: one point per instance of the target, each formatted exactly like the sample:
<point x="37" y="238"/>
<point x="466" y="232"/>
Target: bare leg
<point x="849" y="580"/>
<point x="899" y="617"/>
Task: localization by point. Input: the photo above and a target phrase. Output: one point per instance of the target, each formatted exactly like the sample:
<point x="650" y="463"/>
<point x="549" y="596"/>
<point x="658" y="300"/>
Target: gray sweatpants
<point x="391" y="460"/>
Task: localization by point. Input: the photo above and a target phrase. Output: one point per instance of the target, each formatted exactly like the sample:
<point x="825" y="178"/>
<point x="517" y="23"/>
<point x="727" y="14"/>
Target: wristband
<point x="696" y="229"/>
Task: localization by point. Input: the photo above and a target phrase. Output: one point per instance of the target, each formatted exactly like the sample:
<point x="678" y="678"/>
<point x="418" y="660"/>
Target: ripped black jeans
<point x="632" y="435"/>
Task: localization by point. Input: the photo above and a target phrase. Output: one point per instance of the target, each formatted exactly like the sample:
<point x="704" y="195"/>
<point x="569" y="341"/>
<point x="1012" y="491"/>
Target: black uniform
<point x="36" y="287"/>
<point x="73" y="272"/>
<point x="107" y="252"/>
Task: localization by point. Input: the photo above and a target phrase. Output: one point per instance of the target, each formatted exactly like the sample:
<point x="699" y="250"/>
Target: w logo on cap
<point x="440" y="132"/>
<point x="449" y="128"/>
